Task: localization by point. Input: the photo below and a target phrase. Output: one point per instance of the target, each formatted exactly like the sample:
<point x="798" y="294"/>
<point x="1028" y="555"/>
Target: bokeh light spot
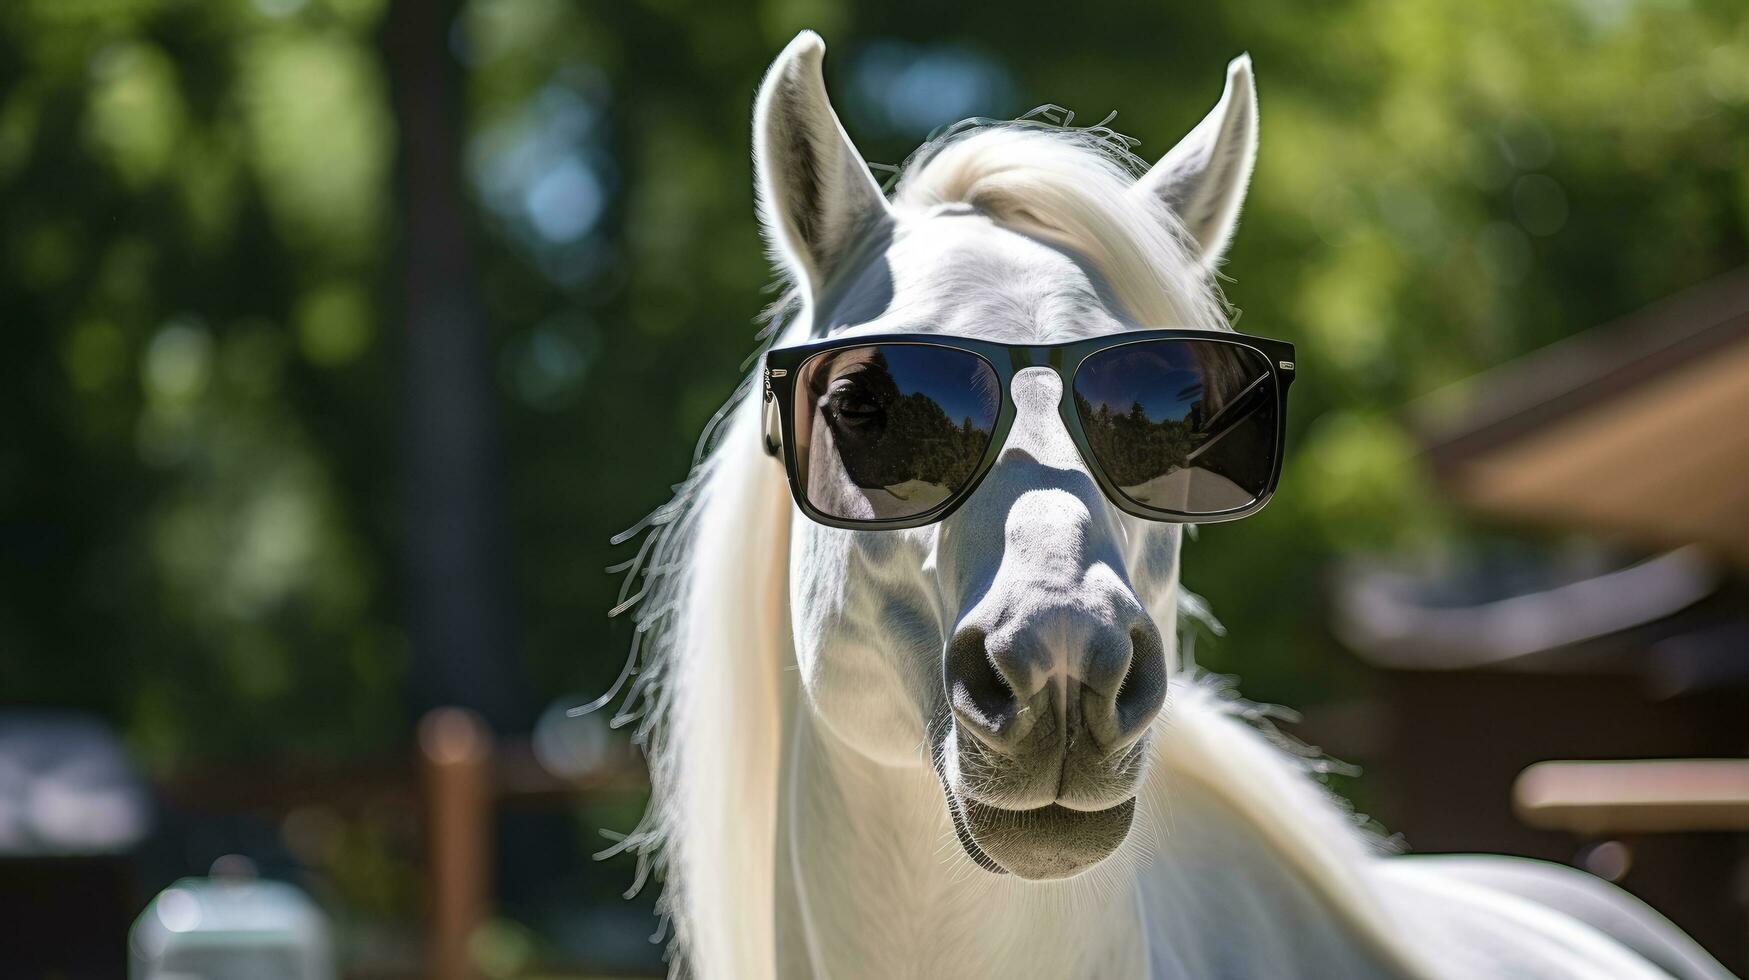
<point x="564" y="202"/>
<point x="1540" y="203"/>
<point x="912" y="89"/>
<point x="178" y="910"/>
<point x="136" y="116"/>
<point x="335" y="324"/>
<point x="278" y="8"/>
<point x="178" y="362"/>
<point x="546" y="368"/>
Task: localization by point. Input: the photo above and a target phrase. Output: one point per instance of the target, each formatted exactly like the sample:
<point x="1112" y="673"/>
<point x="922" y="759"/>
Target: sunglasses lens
<point x="891" y="431"/>
<point x="1183" y="426"/>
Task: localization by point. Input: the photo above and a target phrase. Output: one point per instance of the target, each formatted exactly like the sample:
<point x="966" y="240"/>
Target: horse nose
<point x="1113" y="681"/>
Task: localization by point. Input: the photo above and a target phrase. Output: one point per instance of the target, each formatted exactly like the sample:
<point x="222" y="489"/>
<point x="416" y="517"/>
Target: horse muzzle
<point x="1004" y="830"/>
<point x="1041" y="770"/>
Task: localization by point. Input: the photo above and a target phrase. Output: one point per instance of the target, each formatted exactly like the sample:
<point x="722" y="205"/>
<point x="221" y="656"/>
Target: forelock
<point x="1071" y="187"/>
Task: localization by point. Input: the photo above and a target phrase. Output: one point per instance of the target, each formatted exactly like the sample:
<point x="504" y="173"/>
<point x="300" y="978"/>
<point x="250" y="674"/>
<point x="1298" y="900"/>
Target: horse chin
<point x="1044" y="844"/>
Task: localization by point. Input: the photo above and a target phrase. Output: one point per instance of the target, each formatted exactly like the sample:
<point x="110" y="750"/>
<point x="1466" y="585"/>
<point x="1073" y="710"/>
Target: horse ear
<point x="816" y="196"/>
<point x="1203" y="178"/>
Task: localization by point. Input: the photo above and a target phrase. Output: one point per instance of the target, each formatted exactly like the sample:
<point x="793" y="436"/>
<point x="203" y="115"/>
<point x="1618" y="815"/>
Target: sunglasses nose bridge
<point x="1021" y="358"/>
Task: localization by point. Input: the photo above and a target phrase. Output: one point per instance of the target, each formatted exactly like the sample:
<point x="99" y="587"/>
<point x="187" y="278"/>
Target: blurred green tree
<point x="197" y="205"/>
<point x="202" y="393"/>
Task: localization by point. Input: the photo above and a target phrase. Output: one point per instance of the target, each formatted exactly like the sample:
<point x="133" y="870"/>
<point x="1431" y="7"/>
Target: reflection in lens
<point x="889" y="431"/>
<point x="1187" y="426"/>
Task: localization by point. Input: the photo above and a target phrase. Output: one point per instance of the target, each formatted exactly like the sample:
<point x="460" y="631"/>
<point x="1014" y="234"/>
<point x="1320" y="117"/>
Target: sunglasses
<point x="897" y="431"/>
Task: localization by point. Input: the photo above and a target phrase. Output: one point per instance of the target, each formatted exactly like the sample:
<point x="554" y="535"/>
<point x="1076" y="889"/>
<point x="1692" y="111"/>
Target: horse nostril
<point x="979" y="693"/>
<point x="1143" y="691"/>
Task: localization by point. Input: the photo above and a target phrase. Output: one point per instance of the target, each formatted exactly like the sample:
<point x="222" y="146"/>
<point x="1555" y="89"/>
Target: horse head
<point x="1022" y="646"/>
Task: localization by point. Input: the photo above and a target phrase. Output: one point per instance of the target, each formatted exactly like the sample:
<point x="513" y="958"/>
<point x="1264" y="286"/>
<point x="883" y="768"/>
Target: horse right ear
<point x="1203" y="179"/>
<point x="816" y="196"/>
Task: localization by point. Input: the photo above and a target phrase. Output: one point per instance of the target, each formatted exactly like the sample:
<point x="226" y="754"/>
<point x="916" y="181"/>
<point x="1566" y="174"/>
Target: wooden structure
<point x="455" y="749"/>
<point x="455" y="791"/>
<point x="1662" y="796"/>
<point x="1586" y="702"/>
<point x="1639" y="428"/>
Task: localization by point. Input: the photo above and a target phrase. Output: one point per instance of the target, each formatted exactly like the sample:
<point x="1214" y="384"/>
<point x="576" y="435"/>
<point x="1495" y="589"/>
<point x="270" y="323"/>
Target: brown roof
<point x="1639" y="428"/>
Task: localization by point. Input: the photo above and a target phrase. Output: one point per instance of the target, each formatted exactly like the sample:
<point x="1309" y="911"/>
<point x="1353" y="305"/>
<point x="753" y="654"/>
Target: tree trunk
<point x="456" y="539"/>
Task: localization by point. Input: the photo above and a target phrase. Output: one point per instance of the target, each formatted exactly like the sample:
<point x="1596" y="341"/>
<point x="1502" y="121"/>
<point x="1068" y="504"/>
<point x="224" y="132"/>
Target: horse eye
<point x="848" y="403"/>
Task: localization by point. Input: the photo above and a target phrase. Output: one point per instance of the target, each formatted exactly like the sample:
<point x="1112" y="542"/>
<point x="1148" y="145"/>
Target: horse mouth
<point x="1043" y="844"/>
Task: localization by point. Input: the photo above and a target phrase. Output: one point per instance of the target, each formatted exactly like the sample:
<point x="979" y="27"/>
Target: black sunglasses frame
<point x="782" y="365"/>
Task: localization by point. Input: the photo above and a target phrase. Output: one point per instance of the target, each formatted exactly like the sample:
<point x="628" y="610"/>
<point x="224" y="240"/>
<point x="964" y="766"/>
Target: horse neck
<point x="1257" y="869"/>
<point x="871" y="881"/>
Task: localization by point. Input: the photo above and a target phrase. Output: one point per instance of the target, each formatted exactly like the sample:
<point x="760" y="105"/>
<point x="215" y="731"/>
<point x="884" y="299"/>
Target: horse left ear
<point x="816" y="196"/>
<point x="1203" y="178"/>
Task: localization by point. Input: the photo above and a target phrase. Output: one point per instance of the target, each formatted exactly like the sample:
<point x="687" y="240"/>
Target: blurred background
<point x="340" y="335"/>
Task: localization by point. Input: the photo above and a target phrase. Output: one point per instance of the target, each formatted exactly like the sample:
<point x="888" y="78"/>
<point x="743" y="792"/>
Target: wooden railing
<point x="1659" y="796"/>
<point x="461" y="775"/>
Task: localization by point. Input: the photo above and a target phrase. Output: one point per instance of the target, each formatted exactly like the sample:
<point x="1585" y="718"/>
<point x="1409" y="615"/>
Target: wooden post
<point x="456" y="751"/>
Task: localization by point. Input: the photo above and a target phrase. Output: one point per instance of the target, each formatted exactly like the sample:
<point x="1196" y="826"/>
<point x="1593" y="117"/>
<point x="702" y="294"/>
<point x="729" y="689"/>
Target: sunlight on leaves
<point x="319" y="136"/>
<point x="136" y="113"/>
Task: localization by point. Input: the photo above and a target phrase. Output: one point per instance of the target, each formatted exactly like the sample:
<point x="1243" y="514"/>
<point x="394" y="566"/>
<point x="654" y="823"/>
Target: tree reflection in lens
<point x="1184" y="426"/>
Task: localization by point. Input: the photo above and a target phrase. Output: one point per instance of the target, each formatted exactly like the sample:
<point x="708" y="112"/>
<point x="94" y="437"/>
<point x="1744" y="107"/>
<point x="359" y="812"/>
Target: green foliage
<point x="199" y="398"/>
<point x="193" y="396"/>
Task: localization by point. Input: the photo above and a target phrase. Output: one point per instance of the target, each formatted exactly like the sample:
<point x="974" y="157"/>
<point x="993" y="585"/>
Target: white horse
<point x="795" y="680"/>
